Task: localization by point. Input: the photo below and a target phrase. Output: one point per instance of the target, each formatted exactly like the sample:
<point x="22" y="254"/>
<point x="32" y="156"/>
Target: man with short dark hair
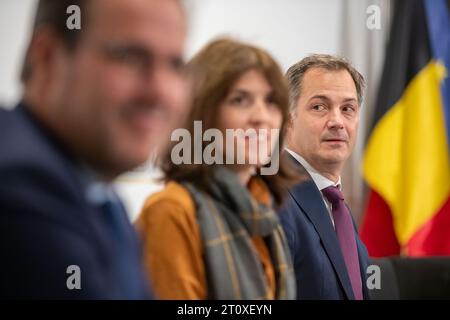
<point x="97" y="102"/>
<point x="330" y="260"/>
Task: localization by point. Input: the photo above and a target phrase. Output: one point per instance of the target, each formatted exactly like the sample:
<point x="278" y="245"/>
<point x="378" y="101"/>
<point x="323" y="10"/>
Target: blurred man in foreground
<point x="96" y="102"/>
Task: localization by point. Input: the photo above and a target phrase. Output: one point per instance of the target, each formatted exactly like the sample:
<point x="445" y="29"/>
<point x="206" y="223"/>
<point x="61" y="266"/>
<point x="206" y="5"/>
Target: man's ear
<point x="43" y="53"/>
<point x="290" y="120"/>
<point x="289" y="126"/>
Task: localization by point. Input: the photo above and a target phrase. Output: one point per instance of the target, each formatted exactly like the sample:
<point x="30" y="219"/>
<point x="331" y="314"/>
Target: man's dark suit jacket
<point x="318" y="262"/>
<point x="47" y="224"/>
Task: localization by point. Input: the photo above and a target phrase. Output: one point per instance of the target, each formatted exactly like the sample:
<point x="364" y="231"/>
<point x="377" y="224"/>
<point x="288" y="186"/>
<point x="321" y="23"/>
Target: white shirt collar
<point x="97" y="192"/>
<point x="320" y="181"/>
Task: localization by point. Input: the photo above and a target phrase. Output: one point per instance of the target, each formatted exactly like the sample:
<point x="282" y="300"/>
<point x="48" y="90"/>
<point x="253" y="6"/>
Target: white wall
<point x="289" y="29"/>
<point x="15" y="23"/>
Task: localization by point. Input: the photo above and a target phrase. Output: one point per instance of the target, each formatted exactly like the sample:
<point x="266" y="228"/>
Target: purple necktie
<point x="346" y="236"/>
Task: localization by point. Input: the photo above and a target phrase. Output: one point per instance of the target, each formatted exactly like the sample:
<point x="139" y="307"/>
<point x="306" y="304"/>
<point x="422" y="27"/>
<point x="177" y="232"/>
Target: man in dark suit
<point x="330" y="260"/>
<point x="96" y="102"/>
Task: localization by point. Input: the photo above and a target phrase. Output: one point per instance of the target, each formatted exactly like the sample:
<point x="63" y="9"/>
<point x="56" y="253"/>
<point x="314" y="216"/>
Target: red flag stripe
<point x="432" y="239"/>
<point x="377" y="231"/>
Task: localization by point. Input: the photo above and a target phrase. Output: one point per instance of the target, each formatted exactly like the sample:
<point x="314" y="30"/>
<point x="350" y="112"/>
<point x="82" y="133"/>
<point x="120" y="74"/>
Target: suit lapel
<point x="362" y="258"/>
<point x="309" y="198"/>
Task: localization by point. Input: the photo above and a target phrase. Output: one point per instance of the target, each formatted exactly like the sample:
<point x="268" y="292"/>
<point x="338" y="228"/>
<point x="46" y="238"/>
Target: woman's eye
<point x="238" y="100"/>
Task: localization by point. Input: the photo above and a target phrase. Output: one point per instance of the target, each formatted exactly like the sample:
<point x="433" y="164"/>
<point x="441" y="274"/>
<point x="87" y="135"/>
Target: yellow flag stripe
<point x="406" y="160"/>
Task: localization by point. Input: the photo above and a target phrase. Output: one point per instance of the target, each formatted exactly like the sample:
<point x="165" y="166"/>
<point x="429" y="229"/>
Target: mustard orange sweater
<point x="173" y="247"/>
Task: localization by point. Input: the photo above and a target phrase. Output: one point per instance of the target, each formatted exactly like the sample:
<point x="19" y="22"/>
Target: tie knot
<point x="333" y="194"/>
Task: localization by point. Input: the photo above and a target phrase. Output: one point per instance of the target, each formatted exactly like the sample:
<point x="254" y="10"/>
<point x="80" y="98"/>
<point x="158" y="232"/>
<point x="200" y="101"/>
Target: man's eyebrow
<point x="145" y="50"/>
<point x="141" y="51"/>
<point x="321" y="97"/>
<point x="248" y="92"/>
<point x="127" y="47"/>
<point x="138" y="50"/>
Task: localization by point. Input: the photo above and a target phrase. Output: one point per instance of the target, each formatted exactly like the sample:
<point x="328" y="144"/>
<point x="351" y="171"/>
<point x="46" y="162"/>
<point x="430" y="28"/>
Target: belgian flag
<point x="406" y="161"/>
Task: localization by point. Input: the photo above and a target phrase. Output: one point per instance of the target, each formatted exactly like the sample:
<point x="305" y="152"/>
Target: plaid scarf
<point x="228" y="217"/>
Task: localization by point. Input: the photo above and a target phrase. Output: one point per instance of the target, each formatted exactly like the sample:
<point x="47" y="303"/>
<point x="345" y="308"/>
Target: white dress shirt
<point x="320" y="181"/>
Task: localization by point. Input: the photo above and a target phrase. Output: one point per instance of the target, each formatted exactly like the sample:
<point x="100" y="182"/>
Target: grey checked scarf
<point x="228" y="217"/>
